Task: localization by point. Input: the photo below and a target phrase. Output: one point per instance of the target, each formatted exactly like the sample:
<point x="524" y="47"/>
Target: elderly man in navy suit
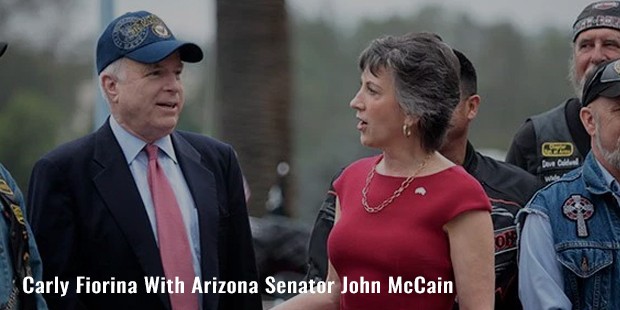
<point x="137" y="201"/>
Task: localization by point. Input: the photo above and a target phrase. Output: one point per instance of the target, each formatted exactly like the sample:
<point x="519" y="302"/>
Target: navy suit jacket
<point x="89" y="220"/>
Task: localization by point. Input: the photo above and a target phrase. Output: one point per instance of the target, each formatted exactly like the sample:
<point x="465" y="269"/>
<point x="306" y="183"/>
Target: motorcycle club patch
<point x="557" y="149"/>
<point x="4" y="188"/>
<point x="578" y="208"/>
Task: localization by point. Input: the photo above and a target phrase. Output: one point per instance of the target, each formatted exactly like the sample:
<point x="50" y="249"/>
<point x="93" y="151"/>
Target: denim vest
<point x="6" y="267"/>
<point x="589" y="256"/>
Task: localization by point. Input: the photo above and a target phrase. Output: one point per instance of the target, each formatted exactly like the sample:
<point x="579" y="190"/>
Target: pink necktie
<point x="173" y="241"/>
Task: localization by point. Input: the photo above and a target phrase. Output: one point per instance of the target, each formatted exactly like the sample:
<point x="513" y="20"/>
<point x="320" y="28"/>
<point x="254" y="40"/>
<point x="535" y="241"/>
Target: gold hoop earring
<point x="407" y="130"/>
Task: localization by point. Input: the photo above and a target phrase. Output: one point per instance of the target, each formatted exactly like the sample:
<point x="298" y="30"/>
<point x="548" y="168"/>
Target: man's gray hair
<point x="426" y="78"/>
<point x="114" y="69"/>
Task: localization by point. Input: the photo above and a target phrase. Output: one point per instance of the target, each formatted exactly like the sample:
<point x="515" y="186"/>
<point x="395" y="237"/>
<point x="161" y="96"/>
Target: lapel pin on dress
<point x="420" y="191"/>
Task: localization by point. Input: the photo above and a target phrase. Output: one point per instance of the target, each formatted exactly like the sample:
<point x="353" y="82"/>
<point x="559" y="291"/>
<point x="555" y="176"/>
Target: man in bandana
<point x="553" y="143"/>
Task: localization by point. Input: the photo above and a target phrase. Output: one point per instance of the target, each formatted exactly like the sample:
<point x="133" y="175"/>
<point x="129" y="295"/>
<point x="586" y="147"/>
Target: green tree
<point x="25" y="123"/>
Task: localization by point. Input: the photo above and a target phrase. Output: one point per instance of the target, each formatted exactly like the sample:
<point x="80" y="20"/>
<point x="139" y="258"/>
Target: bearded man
<point x="571" y="228"/>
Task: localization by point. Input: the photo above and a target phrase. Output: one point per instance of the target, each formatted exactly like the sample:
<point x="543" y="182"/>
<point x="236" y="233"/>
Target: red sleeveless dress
<point x="404" y="241"/>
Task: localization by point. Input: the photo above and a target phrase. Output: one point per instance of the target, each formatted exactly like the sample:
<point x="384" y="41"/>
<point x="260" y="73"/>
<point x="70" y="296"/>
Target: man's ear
<point x="471" y="104"/>
<point x="109" y="84"/>
<point x="586" y="114"/>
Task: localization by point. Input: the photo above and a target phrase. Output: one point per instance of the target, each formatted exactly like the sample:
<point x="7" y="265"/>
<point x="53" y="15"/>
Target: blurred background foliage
<point x="46" y="97"/>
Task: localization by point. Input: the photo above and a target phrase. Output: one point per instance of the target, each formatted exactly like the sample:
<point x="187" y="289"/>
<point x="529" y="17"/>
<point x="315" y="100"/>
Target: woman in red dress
<point x="412" y="228"/>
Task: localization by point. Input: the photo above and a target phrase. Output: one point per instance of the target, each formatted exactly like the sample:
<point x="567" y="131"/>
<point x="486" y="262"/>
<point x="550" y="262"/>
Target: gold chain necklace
<point x="396" y="193"/>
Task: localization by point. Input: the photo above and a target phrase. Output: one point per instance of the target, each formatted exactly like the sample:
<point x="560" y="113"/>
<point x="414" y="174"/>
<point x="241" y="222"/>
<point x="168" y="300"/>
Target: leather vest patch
<point x="557" y="149"/>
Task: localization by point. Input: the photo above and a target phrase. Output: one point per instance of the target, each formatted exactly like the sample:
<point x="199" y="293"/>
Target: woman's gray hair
<point x="426" y="79"/>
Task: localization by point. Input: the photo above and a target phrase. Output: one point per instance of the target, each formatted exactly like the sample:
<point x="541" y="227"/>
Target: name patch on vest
<point x="579" y="209"/>
<point x="557" y="159"/>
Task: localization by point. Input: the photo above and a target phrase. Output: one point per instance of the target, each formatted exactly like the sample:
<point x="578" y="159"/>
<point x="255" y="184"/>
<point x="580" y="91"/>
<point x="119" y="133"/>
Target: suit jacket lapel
<point x="201" y="183"/>
<point x="117" y="188"/>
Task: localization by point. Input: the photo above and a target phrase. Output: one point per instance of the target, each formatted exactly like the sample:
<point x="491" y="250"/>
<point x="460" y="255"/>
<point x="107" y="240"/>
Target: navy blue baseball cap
<point x="143" y="37"/>
<point x="3" y="46"/>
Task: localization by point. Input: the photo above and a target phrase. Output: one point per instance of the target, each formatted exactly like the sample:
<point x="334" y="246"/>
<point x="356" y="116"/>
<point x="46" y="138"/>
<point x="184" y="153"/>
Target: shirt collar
<point x="608" y="178"/>
<point x="470" y="161"/>
<point x="132" y="145"/>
